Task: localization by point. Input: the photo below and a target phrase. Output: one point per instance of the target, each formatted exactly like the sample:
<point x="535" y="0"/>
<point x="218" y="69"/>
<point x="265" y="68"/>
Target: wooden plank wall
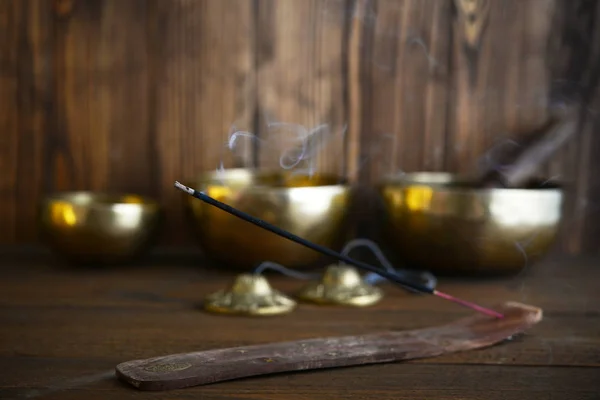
<point x="131" y="95"/>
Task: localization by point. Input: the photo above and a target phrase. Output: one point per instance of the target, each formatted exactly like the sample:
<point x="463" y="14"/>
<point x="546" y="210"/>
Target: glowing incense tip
<point x="468" y="304"/>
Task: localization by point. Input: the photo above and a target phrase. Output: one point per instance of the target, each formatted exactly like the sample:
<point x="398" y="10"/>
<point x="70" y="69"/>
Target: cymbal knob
<point x="250" y="295"/>
<point x="341" y="285"/>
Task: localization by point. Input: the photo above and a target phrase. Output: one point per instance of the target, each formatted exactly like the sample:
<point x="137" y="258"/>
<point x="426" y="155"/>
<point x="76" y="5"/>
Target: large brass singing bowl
<point x="93" y="228"/>
<point x="443" y="223"/>
<point x="315" y="208"/>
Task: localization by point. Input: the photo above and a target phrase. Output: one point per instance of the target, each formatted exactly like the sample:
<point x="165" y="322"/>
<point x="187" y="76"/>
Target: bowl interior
<point x="456" y="182"/>
<point x="82" y="198"/>
<point x="265" y="180"/>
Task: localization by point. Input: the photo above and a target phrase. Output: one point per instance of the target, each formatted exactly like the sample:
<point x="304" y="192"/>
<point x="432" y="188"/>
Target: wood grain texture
<point x="202" y="60"/>
<point x="574" y="74"/>
<point x="130" y="96"/>
<point x="205" y="367"/>
<point x="499" y="80"/>
<point x="300" y="84"/>
<point x="26" y="113"/>
<point x="9" y="17"/>
<point x="83" y="67"/>
<point x="397" y="382"/>
<point x="62" y="330"/>
<point x="406" y="63"/>
<point x="587" y="204"/>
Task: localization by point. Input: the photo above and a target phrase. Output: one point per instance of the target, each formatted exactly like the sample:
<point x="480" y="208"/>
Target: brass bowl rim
<point x="211" y="177"/>
<point x="111" y="199"/>
<point x="445" y="181"/>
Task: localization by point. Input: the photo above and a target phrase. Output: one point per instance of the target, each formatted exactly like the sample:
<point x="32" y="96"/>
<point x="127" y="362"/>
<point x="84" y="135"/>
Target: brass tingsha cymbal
<point x="252" y="295"/>
<point x="341" y="285"/>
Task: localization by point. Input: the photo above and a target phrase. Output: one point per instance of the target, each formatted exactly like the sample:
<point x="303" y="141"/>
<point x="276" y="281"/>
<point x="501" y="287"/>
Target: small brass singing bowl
<point x="95" y="228"/>
<point x="313" y="207"/>
<point x="444" y="223"/>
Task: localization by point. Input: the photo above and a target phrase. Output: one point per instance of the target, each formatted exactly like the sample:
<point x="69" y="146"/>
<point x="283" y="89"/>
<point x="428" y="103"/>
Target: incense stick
<point x="331" y="253"/>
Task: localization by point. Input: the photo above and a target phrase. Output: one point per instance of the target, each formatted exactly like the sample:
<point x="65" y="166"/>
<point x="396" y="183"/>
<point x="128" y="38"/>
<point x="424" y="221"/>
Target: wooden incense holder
<point x="204" y="367"/>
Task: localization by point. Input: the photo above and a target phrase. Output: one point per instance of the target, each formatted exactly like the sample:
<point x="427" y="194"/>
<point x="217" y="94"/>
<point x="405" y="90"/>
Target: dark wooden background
<point x="130" y="95"/>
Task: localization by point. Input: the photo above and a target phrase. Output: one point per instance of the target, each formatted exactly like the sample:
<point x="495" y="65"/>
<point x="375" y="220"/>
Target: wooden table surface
<point x="62" y="332"/>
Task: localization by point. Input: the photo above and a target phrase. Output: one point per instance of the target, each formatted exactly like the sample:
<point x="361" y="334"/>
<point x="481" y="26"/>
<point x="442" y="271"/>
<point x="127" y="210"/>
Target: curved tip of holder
<point x="251" y="295"/>
<point x="341" y="285"/>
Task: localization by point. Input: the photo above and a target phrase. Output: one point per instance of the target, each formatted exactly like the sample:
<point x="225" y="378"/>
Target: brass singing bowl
<point x="313" y="207"/>
<point x="96" y="228"/>
<point x="444" y="223"/>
